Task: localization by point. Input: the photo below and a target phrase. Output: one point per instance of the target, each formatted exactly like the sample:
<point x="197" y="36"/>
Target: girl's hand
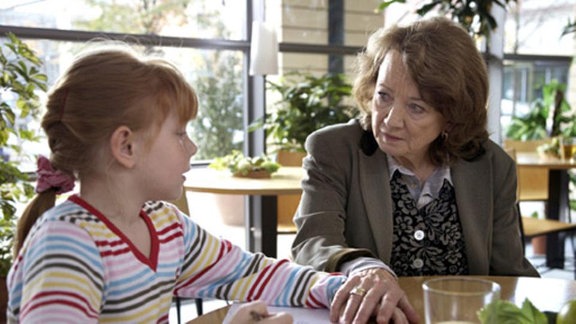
<point x="257" y="312"/>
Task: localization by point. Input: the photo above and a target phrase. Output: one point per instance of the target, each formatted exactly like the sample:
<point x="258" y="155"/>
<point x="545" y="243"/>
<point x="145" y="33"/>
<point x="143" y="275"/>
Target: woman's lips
<point x="391" y="138"/>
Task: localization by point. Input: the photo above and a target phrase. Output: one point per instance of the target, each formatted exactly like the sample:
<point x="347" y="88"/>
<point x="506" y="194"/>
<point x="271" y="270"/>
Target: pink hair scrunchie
<point x="49" y="178"/>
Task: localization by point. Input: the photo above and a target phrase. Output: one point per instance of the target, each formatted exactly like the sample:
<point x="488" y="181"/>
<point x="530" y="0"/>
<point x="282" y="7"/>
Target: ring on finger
<point x="358" y="291"/>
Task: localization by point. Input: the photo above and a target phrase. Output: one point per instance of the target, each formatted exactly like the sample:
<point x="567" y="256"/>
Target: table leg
<point x="556" y="208"/>
<point x="262" y="225"/>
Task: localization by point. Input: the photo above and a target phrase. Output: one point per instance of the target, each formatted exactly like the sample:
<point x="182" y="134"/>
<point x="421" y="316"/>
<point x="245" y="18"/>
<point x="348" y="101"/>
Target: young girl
<point x="116" y="252"/>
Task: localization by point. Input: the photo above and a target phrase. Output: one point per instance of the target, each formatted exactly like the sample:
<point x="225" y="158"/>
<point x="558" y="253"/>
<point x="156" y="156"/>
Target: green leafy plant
<point x="549" y="116"/>
<point x="504" y="311"/>
<point x="306" y="104"/>
<point x="474" y="15"/>
<point x="20" y="81"/>
<point x="241" y="165"/>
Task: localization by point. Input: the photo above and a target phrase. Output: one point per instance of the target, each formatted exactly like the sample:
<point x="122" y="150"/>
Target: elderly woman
<point x="414" y="186"/>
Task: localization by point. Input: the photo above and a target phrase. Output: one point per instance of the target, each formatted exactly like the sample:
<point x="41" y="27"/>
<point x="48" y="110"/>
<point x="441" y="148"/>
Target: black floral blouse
<point x="429" y="240"/>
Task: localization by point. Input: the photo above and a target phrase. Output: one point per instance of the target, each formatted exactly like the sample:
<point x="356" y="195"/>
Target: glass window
<point x="334" y="22"/>
<point x="535" y="27"/>
<point x="522" y="84"/>
<point x="216" y="73"/>
<point x="217" y="77"/>
<point x="176" y="18"/>
<point x="295" y="65"/>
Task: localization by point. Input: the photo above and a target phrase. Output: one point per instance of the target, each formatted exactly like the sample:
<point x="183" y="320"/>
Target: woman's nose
<point x="395" y="116"/>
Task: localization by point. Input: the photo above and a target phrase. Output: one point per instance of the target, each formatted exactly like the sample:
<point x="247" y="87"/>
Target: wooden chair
<point x="287" y="204"/>
<point x="532" y="183"/>
<point x="531" y="227"/>
<point x="182" y="204"/>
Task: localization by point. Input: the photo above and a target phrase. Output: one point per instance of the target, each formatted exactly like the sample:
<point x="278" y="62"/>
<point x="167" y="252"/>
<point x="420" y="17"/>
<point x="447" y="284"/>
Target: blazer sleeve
<point x="321" y="217"/>
<point x="507" y="256"/>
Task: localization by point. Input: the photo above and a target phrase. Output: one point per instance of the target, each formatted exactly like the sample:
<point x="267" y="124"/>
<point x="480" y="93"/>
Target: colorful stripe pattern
<point x="77" y="267"/>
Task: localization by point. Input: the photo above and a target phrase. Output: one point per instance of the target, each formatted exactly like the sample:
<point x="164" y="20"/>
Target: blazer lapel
<point x="377" y="199"/>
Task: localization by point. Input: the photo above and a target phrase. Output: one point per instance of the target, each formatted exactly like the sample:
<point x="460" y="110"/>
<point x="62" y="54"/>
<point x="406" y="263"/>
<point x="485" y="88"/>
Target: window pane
<point x="316" y="63"/>
<point x="218" y="129"/>
<point x="535" y="27"/>
<point x="177" y="18"/>
<point x="341" y="22"/>
<point x="215" y="75"/>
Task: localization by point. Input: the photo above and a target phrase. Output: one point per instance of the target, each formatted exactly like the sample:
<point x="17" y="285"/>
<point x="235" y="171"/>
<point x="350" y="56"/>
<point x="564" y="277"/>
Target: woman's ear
<point x="122" y="146"/>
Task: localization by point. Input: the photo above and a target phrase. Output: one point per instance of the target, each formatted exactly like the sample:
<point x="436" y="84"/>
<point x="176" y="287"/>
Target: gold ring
<point x="358" y="291"/>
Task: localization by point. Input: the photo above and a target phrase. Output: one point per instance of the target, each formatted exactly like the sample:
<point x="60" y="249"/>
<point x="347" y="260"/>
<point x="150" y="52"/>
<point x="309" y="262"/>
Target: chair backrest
<point x="287" y="204"/>
<point x="524" y="146"/>
<point x="532" y="183"/>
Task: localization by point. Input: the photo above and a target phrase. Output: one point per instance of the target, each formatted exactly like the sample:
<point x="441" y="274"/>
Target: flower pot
<point x="215" y="209"/>
<point x="230" y="208"/>
<point x="259" y="174"/>
<point x="539" y="245"/>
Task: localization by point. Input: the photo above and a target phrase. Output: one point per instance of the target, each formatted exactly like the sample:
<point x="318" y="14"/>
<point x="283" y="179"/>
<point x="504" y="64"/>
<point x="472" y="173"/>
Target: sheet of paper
<point x="300" y="315"/>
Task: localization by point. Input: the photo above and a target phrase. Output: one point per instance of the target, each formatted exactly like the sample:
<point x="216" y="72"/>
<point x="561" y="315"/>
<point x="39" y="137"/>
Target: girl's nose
<point x="192" y="148"/>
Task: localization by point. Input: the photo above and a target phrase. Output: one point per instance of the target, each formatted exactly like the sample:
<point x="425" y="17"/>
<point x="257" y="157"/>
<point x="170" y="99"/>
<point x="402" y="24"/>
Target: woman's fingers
<point x="399" y="317"/>
<point x="340" y="301"/>
<point x="353" y="305"/>
<point x="411" y="314"/>
<point x="372" y="293"/>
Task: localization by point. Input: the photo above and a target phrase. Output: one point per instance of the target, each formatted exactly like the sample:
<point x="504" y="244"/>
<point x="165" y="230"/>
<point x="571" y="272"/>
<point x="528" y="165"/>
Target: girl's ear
<point x="122" y="146"/>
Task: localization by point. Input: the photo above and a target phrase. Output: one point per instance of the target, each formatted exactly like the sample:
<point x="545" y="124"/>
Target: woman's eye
<point x="383" y="95"/>
<point x="416" y="108"/>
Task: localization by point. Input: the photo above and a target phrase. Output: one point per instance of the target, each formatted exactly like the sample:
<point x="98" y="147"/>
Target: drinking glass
<point x="567" y="147"/>
<point x="457" y="300"/>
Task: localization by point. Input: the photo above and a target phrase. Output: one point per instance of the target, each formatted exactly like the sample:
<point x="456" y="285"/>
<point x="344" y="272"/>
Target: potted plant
<point x="245" y="166"/>
<point x="230" y="206"/>
<point x="549" y="117"/>
<point x="306" y="103"/>
<point x="20" y="81"/>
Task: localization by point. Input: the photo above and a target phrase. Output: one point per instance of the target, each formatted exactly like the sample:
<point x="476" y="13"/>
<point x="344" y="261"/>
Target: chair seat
<point x="536" y="227"/>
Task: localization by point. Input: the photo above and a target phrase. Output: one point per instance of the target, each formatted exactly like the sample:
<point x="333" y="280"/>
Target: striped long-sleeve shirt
<point x="76" y="266"/>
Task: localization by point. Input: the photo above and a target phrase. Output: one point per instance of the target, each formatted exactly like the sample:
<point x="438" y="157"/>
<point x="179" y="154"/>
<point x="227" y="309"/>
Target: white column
<point x="495" y="73"/>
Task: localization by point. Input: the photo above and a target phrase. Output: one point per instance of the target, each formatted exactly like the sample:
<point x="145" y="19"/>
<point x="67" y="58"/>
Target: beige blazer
<point x="346" y="206"/>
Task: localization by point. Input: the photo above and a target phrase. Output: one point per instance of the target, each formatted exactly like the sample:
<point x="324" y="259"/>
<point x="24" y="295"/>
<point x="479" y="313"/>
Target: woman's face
<point x="403" y="124"/>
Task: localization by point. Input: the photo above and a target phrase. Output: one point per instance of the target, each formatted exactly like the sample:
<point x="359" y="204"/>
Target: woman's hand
<point x="372" y="293"/>
<point x="256" y="312"/>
